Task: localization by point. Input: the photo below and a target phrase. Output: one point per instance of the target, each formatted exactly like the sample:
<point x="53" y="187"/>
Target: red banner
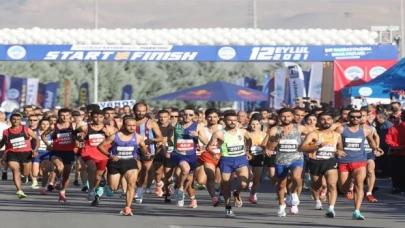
<point x="348" y="73"/>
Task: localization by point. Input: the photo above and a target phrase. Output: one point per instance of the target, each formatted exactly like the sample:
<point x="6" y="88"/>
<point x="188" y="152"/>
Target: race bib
<point x="236" y="148"/>
<point x="64" y="138"/>
<point x="185" y="145"/>
<point x="42" y="146"/>
<point x="353" y="144"/>
<point x="96" y="139"/>
<point x="256" y="150"/>
<point x="215" y="149"/>
<point x="325" y="152"/>
<point x="125" y="152"/>
<point x="288" y="145"/>
<point x="18" y="143"/>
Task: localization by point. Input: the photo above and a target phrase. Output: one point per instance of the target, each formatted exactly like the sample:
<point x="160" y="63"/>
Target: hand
<point x="378" y="152"/>
<point x="114" y="158"/>
<point x="340" y="154"/>
<point x="193" y="133"/>
<point x="268" y="152"/>
<point x="50" y="147"/>
<point x="149" y="141"/>
<point x="249" y="156"/>
<point x="34" y="154"/>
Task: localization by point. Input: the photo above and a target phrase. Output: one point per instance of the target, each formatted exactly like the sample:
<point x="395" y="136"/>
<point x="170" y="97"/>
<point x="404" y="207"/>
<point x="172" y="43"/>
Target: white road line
<point x="174" y="226"/>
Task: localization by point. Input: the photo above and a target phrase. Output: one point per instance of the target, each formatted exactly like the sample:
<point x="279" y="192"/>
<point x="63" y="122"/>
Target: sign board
<point x="165" y="53"/>
<point x="384" y="28"/>
<point x="114" y="104"/>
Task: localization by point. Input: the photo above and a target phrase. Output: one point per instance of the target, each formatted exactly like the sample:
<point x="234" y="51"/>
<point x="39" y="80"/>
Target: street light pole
<point x="349" y="18"/>
<point x="402" y="29"/>
<point x="254" y="6"/>
<point x="95" y="62"/>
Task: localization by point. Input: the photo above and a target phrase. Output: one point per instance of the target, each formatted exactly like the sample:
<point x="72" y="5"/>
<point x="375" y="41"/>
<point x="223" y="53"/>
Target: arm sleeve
<point x="391" y="137"/>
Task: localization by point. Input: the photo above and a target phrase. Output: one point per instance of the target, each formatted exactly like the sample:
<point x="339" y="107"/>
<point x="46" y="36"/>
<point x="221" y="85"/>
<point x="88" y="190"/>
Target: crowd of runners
<point x="124" y="150"/>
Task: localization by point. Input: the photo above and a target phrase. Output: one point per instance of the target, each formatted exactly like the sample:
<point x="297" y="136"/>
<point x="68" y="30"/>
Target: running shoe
<point x="330" y="213"/>
<point x="288" y="200"/>
<point x="238" y="200"/>
<point x="221" y="198"/>
<point x="180" y="198"/>
<point x="148" y="191"/>
<point x="357" y="215"/>
<point x="318" y="205"/>
<point x="50" y="187"/>
<point x="126" y="212"/>
<point x="322" y="195"/>
<point x="294" y="210"/>
<point x="371" y="199"/>
<point x="4" y="176"/>
<point x="215" y="201"/>
<point x="91" y="195"/>
<point x="42" y="191"/>
<point x="281" y="211"/>
<point x="108" y="191"/>
<point x="250" y="186"/>
<point x="349" y="195"/>
<point x="34" y="185"/>
<point x="159" y="189"/>
<point x="62" y="197"/>
<point x="100" y="191"/>
<point x="76" y="183"/>
<point x="123" y="195"/>
<point x="193" y="204"/>
<point x="139" y="195"/>
<point x="96" y="201"/>
<point x="85" y="188"/>
<point x="252" y="200"/>
<point x="24" y="179"/>
<point x="21" y="194"/>
<point x="168" y="199"/>
<point x="229" y="213"/>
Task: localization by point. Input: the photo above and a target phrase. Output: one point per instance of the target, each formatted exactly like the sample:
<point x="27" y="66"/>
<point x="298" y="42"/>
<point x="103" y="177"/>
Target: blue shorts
<point x="177" y="158"/>
<point x="282" y="170"/>
<point x="230" y="164"/>
<point x="42" y="155"/>
<point x="370" y="156"/>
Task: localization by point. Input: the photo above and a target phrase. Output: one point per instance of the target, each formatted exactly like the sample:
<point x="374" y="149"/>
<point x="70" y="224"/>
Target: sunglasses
<point x="174" y="116"/>
<point x="353" y="117"/>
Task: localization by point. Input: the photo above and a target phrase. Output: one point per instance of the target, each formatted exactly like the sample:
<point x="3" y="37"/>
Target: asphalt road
<point x="45" y="211"/>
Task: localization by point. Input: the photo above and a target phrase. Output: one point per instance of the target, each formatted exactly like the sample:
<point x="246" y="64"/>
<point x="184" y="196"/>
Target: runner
<point x="41" y="162"/>
<point x="235" y="145"/>
<point x="211" y="169"/>
<point x="62" y="155"/>
<point x="354" y="160"/>
<point x="18" y="150"/>
<point x="257" y="154"/>
<point x="151" y="133"/>
<point x="323" y="145"/>
<point x="125" y="146"/>
<point x="184" y="156"/>
<point x="95" y="162"/>
<point x="285" y="139"/>
<point x="3" y="126"/>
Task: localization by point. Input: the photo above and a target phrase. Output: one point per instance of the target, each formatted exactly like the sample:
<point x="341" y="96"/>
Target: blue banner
<point x="50" y="94"/>
<point x="307" y="76"/>
<point x="249" y="83"/>
<point x="16" y="91"/>
<point x="126" y="92"/>
<point x="2" y="88"/>
<point x="148" y="53"/>
<point x="84" y="94"/>
<point x="41" y="94"/>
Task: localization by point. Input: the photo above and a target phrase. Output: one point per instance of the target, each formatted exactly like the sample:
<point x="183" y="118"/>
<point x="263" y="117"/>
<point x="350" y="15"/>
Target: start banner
<point x="150" y="53"/>
<point x="349" y="73"/>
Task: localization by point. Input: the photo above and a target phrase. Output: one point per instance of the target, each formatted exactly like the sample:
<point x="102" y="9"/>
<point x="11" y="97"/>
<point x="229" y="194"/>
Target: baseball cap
<point x="58" y="107"/>
<point x="2" y="110"/>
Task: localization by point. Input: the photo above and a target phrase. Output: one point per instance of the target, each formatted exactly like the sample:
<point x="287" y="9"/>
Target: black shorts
<point x="121" y="166"/>
<point x="257" y="161"/>
<point x="159" y="156"/>
<point x="67" y="157"/>
<point x="1" y="154"/>
<point x="168" y="163"/>
<point x="20" y="157"/>
<point x="270" y="162"/>
<point x="320" y="167"/>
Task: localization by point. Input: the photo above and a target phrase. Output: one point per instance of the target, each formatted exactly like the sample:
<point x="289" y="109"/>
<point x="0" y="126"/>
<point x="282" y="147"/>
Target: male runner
<point x="62" y="155"/>
<point x="211" y="168"/>
<point x="322" y="145"/>
<point x="149" y="129"/>
<point x="285" y="139"/>
<point x="234" y="145"/>
<point x="184" y="155"/>
<point x="3" y="126"/>
<point x="18" y="150"/>
<point x="354" y="160"/>
<point x="125" y="146"/>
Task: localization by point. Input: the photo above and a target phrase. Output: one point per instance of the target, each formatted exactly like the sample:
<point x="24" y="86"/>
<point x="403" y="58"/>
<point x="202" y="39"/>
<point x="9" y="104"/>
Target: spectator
<point x="382" y="162"/>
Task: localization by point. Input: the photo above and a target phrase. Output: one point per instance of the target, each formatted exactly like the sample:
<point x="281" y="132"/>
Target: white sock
<point x="318" y="201"/>
<point x="368" y="194"/>
<point x="282" y="207"/>
<point x="331" y="207"/>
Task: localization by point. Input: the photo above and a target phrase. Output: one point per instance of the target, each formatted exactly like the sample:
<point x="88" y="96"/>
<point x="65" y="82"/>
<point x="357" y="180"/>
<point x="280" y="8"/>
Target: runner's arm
<point x="201" y="134"/>
<point x="273" y="139"/>
<point x="157" y="133"/>
<point x="142" y="145"/>
<point x="309" y="145"/>
<point x="248" y="142"/>
<point x="103" y="144"/>
<point x="46" y="133"/>
<point x="376" y="137"/>
<point x="370" y="139"/>
<point x="213" y="141"/>
<point x="3" y="141"/>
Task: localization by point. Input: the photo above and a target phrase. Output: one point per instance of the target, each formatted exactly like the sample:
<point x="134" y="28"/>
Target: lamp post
<point x="254" y="6"/>
<point x="95" y="62"/>
<point x="402" y="28"/>
<point x="349" y="16"/>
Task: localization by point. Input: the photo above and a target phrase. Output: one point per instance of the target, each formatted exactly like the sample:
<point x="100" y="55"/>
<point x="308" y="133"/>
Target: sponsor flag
<point x="41" y="94"/>
<point x="315" y="81"/>
<point x="84" y="94"/>
<point x="126" y="92"/>
<point x="279" y="87"/>
<point x="296" y="79"/>
<point x="66" y="98"/>
<point x="15" y="90"/>
<point x="307" y="77"/>
<point x="245" y="82"/>
<point x="355" y="73"/>
<point x="50" y="95"/>
<point x="2" y="88"/>
<point x="31" y="94"/>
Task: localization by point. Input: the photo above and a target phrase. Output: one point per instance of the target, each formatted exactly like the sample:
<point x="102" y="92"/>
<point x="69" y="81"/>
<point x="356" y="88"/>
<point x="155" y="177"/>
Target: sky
<point x="154" y="14"/>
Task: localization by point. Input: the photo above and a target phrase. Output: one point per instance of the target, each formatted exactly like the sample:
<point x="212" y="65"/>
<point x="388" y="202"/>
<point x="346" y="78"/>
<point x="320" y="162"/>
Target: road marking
<point x="174" y="226"/>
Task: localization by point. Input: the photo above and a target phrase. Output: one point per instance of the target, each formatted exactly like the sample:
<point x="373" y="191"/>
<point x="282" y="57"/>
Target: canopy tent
<point x="216" y="91"/>
<point x="380" y="87"/>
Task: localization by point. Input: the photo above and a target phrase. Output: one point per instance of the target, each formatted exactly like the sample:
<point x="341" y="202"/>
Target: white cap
<point x="2" y="110"/>
<point x="58" y="107"/>
<point x="45" y="110"/>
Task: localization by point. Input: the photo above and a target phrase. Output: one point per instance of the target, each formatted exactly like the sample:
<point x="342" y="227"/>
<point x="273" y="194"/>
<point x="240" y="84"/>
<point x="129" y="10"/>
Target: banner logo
<point x="13" y="94"/>
<point x="226" y="53"/>
<point x="249" y="95"/>
<point x="196" y="94"/>
<point x="279" y="53"/>
<point x="16" y="52"/>
<point x="365" y="91"/>
<point x="354" y="73"/>
<point x="376" y="71"/>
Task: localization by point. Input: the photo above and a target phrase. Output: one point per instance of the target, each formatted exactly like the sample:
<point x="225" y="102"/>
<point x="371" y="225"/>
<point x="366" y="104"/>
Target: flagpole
<point x="95" y="62"/>
<point x="402" y="29"/>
